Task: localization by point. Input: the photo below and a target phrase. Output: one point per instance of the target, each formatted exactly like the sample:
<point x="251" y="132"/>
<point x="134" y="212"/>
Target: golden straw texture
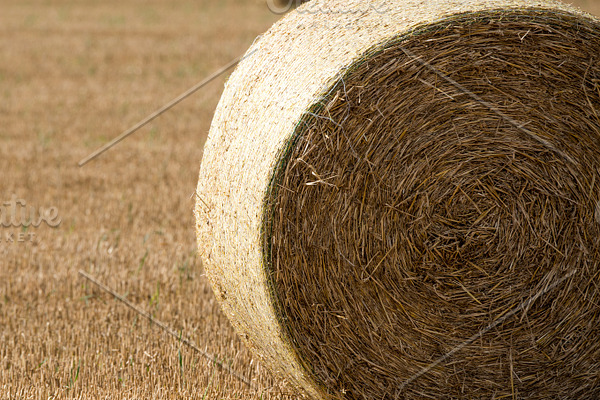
<point x="398" y="199"/>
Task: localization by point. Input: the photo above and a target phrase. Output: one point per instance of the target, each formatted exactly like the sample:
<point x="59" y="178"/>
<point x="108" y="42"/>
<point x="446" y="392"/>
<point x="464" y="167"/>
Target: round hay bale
<point x="397" y="199"/>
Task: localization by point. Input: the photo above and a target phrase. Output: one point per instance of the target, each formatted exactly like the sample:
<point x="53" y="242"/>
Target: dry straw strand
<point x="398" y="199"/>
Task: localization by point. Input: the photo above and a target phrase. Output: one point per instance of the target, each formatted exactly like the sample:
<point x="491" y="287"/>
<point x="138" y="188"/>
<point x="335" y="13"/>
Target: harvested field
<point x="72" y="76"/>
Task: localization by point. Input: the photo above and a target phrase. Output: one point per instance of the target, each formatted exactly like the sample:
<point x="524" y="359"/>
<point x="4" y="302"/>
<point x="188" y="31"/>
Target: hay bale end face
<point x="397" y="199"/>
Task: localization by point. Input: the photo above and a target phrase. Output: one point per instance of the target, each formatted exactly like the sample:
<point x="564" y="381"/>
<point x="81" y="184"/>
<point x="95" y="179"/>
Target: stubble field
<point x="73" y="74"/>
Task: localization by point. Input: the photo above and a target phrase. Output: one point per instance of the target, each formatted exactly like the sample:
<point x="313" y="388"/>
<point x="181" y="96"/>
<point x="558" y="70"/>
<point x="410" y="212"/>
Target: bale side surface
<point x="289" y="71"/>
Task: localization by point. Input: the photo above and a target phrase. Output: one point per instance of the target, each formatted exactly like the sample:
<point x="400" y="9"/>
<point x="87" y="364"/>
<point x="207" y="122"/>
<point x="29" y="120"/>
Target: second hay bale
<point x="380" y="189"/>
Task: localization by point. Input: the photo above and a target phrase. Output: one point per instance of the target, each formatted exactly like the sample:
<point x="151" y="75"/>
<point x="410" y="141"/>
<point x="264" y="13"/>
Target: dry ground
<point x="72" y="75"/>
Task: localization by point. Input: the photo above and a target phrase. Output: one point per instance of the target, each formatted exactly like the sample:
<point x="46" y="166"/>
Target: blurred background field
<point x="73" y="74"/>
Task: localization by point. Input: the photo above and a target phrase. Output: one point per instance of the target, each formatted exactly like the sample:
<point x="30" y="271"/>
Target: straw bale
<point x="398" y="199"/>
